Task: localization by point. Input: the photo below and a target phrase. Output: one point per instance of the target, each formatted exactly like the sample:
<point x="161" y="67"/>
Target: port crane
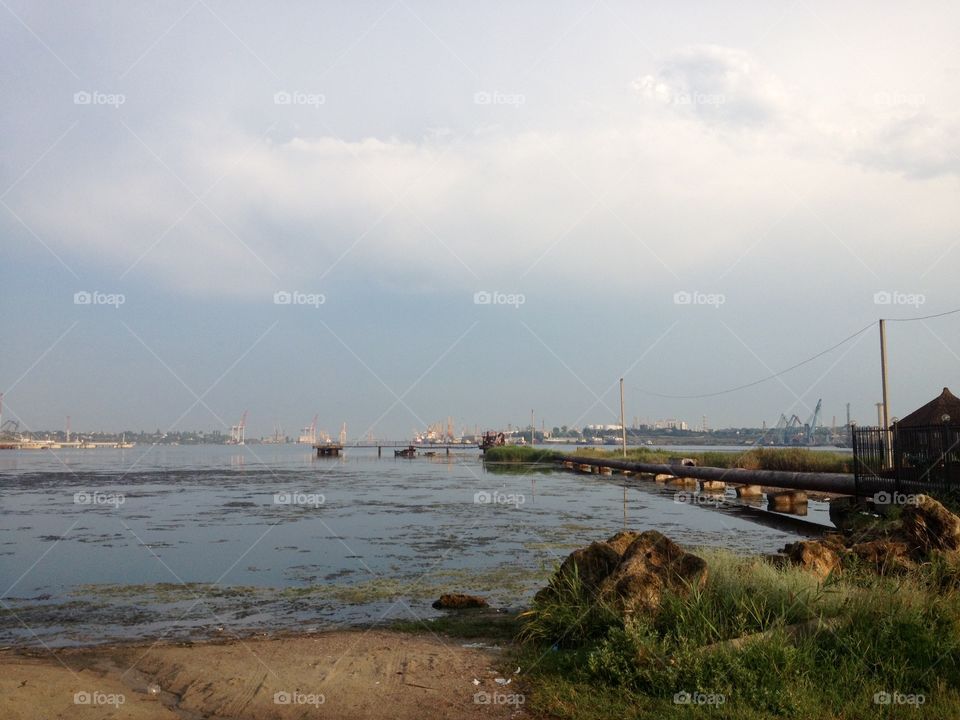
<point x="794" y="431"/>
<point x="238" y="432"/>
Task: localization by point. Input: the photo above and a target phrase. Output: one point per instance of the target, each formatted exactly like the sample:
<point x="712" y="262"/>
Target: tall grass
<point x="786" y="459"/>
<point x="520" y="454"/>
<point x="877" y="635"/>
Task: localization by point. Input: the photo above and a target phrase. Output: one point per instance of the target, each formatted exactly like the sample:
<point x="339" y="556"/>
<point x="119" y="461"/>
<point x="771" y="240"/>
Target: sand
<point x="350" y="674"/>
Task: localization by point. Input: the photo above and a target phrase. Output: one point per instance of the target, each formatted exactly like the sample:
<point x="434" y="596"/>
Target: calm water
<point x="105" y="544"/>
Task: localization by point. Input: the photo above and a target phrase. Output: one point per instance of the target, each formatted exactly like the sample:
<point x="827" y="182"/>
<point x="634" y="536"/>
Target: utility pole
<point x="883" y="373"/>
<point x="533" y="429"/>
<point x="886" y="400"/>
<point x="623" y="424"/>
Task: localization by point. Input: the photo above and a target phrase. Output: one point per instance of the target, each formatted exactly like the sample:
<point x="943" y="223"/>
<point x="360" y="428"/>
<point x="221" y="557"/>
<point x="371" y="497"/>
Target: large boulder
<point x="622" y="540"/>
<point x="591" y="564"/>
<point x="885" y="556"/>
<point x="927" y="526"/>
<point x="813" y="555"/>
<point x="652" y="565"/>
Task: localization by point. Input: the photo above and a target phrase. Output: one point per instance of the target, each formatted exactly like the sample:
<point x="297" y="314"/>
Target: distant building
<point x="671" y="424"/>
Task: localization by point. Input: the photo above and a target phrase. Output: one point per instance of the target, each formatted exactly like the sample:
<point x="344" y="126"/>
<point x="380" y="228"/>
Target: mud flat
<point x="344" y="674"/>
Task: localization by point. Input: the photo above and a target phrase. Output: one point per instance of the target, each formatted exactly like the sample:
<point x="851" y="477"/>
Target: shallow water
<point x="99" y="545"/>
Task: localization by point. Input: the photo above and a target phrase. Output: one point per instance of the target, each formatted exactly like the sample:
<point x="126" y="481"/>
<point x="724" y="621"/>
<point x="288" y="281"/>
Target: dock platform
<point x="328" y="449"/>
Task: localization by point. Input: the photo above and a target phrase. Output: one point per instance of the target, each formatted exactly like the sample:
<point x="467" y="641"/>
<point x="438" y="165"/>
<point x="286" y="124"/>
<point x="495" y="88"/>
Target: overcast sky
<point x="690" y="195"/>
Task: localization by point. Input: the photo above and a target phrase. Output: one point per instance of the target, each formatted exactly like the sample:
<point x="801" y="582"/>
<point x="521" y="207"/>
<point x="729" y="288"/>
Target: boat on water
<point x="492" y="439"/>
<point x="407" y="452"/>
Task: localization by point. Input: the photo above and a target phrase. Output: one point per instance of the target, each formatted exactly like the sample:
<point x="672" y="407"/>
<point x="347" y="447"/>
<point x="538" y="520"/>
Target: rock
<point x="927" y="525"/>
<point x="622" y="540"/>
<point x="651" y="565"/>
<point x="593" y="564"/>
<point x="886" y="556"/>
<point x="459" y="601"/>
<point x="813" y="555"/>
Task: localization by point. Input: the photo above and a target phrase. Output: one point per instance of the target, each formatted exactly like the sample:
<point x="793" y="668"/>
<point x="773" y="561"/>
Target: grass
<point x="487" y="625"/>
<point x="882" y="635"/>
<point x="786" y="459"/>
<point x="520" y="454"/>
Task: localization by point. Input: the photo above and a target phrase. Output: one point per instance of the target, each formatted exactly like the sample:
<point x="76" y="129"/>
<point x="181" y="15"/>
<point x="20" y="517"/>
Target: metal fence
<point x="907" y="460"/>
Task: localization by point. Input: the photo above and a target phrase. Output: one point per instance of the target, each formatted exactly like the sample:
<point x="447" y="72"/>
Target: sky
<point x="388" y="213"/>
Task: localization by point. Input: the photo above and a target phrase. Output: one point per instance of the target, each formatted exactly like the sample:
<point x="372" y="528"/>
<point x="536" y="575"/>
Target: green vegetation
<point x="520" y="454"/>
<point x="786" y="459"/>
<point x="487" y="625"/>
<point x="756" y="641"/>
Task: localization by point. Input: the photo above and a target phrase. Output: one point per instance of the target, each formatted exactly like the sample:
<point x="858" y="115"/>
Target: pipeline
<point x="840" y="483"/>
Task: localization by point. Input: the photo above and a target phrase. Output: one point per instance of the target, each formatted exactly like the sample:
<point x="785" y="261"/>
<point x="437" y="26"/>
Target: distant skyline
<point x="391" y="213"/>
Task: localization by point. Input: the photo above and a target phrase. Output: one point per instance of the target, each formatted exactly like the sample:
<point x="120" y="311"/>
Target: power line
<point x="925" y="317"/>
<point x="793" y="367"/>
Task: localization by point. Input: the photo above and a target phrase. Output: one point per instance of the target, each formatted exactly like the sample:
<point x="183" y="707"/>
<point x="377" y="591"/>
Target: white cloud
<point x="717" y="85"/>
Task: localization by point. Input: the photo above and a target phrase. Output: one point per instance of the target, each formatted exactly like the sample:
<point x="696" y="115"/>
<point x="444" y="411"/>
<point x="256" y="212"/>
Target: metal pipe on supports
<point x="841" y="483"/>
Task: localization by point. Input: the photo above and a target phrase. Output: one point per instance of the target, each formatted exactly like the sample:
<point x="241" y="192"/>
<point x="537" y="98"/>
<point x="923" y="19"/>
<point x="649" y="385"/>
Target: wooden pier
<point x="328" y="449"/>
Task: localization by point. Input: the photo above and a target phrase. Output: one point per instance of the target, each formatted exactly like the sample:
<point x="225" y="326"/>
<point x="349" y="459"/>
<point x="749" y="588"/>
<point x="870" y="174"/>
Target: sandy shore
<point x="349" y="674"/>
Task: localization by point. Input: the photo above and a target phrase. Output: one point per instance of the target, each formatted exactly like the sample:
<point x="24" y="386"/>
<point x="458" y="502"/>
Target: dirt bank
<point x="350" y="674"/>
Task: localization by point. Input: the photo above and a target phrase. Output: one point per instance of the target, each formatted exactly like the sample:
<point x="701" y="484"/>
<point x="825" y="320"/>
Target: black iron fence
<point x="907" y="460"/>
